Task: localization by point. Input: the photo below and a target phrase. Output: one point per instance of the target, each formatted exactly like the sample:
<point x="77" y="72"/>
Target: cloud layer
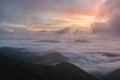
<point x="41" y="12"/>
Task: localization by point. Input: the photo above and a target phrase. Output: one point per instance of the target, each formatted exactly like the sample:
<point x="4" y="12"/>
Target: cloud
<point x="41" y="12"/>
<point x="111" y="11"/>
<point x="2" y="31"/>
<point x="63" y="31"/>
<point x="81" y="41"/>
<point x="95" y="62"/>
<point x="49" y="41"/>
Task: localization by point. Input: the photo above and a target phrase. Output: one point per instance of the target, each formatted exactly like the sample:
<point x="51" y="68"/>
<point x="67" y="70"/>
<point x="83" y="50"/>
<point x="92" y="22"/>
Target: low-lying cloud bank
<point x="49" y="41"/>
<point x="110" y="10"/>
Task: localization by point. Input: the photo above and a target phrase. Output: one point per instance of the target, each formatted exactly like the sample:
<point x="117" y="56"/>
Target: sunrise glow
<point x="52" y="16"/>
<point x="37" y="29"/>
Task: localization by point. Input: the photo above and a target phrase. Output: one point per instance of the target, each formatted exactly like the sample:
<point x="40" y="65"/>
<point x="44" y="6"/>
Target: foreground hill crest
<point x="14" y="69"/>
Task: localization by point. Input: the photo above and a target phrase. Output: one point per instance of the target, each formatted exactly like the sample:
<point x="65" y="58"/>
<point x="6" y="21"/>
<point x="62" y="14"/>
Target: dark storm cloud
<point x="111" y="10"/>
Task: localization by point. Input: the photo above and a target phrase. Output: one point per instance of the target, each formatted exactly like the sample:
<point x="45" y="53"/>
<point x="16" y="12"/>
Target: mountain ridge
<point x="15" y="69"/>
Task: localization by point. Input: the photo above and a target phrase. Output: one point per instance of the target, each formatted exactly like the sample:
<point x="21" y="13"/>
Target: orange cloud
<point x="75" y="20"/>
<point x="92" y="13"/>
<point x="10" y="30"/>
<point x="37" y="29"/>
<point x="81" y="19"/>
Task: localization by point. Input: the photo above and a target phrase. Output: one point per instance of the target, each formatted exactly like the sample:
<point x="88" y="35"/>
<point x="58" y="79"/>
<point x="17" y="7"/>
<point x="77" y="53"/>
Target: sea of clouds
<point x="91" y="53"/>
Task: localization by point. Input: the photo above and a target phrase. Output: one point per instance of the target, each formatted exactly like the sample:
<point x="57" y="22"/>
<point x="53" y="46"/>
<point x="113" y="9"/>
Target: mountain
<point x="115" y="75"/>
<point x="15" y="69"/>
<point x="68" y="71"/>
<point x="52" y="57"/>
<point x="20" y="53"/>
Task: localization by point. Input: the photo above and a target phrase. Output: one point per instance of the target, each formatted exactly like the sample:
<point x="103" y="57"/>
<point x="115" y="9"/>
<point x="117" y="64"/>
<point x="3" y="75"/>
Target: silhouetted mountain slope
<point x="67" y="71"/>
<point x="21" y="53"/>
<point x="115" y="75"/>
<point x="53" y="58"/>
<point x="14" y="69"/>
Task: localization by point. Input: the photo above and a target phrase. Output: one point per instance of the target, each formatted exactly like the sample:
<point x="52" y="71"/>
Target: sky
<point x="39" y="15"/>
